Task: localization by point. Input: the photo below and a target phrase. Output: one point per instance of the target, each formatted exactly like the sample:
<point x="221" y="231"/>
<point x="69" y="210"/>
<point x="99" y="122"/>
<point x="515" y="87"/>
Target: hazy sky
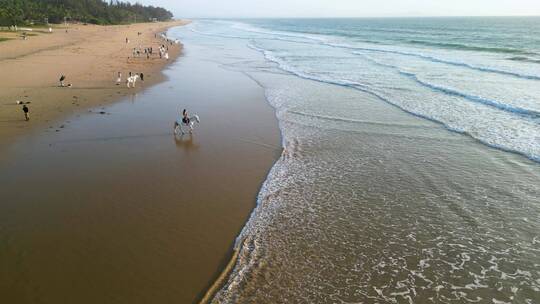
<point x="346" y="8"/>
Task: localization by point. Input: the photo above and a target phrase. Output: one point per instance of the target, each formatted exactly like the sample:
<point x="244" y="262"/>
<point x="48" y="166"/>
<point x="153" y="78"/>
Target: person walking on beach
<point x="142" y="76"/>
<point x="119" y="79"/>
<point x="26" y="115"/>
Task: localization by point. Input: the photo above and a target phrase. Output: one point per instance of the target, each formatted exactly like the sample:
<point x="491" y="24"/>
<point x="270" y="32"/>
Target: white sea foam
<point x="369" y="204"/>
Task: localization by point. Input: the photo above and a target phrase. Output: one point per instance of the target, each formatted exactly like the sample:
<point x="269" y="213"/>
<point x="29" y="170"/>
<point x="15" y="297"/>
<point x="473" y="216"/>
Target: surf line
<point x="223" y="277"/>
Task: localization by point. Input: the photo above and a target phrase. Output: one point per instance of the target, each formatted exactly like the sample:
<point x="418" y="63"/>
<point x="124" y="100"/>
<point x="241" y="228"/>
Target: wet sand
<point x="113" y="208"/>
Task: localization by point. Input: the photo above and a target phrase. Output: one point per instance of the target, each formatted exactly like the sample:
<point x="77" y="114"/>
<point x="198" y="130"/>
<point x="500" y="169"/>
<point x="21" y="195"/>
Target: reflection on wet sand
<point x="185" y="141"/>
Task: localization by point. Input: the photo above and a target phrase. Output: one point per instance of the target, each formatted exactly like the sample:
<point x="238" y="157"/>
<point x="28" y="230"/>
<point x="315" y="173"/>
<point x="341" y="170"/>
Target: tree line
<point x="24" y="12"/>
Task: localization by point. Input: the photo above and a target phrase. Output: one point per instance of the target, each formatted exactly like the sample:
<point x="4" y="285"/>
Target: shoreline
<point x="223" y="275"/>
<point x="88" y="55"/>
<point x="311" y="180"/>
<point x="114" y="194"/>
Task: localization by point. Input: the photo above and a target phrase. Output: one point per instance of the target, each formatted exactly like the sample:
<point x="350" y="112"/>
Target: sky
<point x="345" y="8"/>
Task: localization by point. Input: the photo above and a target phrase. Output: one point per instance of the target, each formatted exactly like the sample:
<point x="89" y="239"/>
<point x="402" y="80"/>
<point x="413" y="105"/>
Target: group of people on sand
<point x="164" y="51"/>
<point x="137" y="52"/>
<point x="131" y="78"/>
<point x="169" y="40"/>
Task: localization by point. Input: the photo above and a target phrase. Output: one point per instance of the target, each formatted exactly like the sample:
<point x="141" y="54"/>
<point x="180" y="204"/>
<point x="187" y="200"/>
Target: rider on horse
<point x="185" y="117"/>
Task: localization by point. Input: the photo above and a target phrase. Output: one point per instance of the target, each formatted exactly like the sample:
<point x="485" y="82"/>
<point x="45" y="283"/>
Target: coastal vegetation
<point x="28" y="12"/>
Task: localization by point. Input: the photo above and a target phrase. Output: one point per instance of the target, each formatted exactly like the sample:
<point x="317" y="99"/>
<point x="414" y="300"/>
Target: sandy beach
<point x="122" y="211"/>
<point x="89" y="55"/>
<point x="324" y="168"/>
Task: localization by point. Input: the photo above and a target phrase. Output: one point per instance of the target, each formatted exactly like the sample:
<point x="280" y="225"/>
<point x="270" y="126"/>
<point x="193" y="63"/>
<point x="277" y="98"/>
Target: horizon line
<point x="362" y="17"/>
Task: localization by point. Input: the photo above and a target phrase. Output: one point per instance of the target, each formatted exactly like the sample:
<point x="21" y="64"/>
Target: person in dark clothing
<point x="26" y="115"/>
<point x="142" y="76"/>
<point x="185" y="118"/>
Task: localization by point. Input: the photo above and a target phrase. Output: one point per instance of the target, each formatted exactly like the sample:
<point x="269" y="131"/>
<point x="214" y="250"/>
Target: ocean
<point x="409" y="171"/>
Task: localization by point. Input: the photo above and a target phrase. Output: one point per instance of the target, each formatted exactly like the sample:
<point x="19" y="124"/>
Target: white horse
<point x="131" y="80"/>
<point x="179" y="124"/>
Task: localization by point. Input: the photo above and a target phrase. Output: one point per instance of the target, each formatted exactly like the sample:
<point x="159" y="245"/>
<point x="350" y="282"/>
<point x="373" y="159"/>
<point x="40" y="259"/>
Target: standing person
<point x="142" y="76"/>
<point x="26" y="114"/>
<point x="127" y="40"/>
<point x="62" y="78"/>
<point x="119" y="79"/>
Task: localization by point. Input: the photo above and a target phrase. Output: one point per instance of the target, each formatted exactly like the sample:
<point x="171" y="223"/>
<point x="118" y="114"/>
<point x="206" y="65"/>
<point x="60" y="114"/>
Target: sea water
<point x="409" y="171"/>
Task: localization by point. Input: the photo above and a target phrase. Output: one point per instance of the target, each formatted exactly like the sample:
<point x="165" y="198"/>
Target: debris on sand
<point x="100" y="112"/>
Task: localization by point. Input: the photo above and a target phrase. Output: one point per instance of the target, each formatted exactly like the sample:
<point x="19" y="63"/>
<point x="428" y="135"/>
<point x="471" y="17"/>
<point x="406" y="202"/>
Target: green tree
<point x="19" y="12"/>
